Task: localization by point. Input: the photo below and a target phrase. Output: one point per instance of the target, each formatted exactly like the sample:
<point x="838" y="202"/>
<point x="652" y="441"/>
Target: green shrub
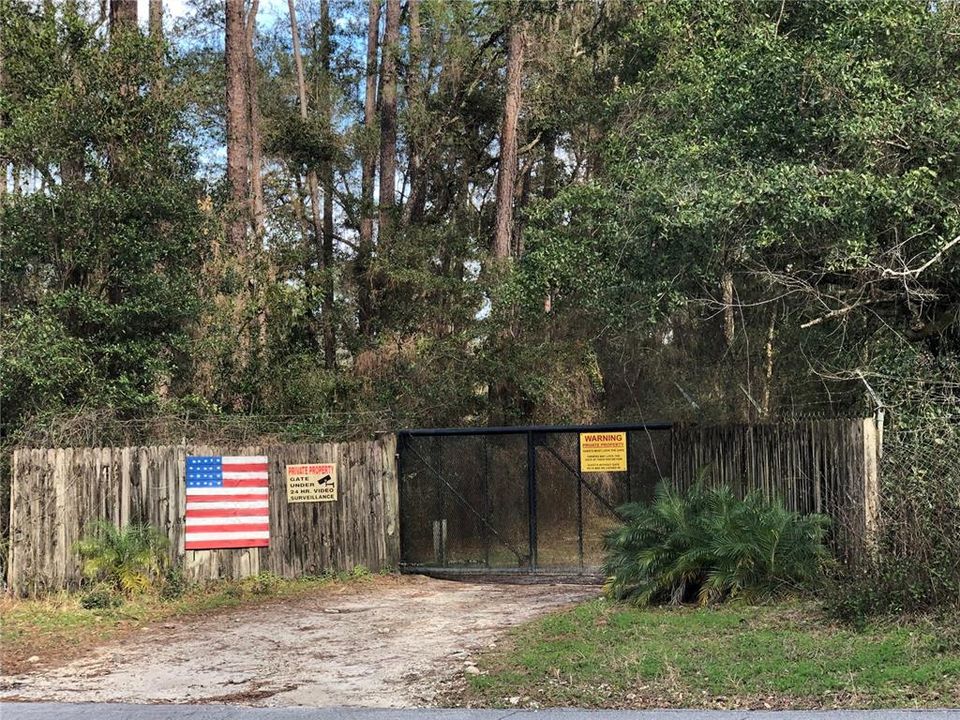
<point x="915" y="569"/>
<point x="891" y="585"/>
<point x="174" y="583"/>
<point x="100" y="597"/>
<point x="130" y="560"/>
<point x="708" y="545"/>
<point x="265" y="583"/>
<point x="360" y="572"/>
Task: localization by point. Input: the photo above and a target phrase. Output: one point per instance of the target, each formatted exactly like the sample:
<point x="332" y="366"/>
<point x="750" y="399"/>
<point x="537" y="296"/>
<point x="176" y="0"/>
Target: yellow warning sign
<point x="603" y="452"/>
<point x="316" y="482"/>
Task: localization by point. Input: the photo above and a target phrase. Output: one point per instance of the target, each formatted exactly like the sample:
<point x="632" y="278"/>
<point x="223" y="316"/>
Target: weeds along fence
<point x="57" y="494"/>
<point x="920" y="476"/>
<point x="822" y="466"/>
<point x="919" y="538"/>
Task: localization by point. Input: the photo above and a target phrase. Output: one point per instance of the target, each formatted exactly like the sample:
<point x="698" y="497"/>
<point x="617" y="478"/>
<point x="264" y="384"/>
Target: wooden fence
<point x="57" y="494"/>
<point x="827" y="466"/>
<point x="824" y="466"/>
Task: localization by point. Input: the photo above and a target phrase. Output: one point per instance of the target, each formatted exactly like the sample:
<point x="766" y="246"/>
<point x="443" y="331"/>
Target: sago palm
<point x="709" y="545"/>
<point x="131" y="560"/>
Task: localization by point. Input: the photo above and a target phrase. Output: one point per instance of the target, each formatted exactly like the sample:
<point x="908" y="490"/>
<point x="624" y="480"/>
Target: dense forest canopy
<point x="347" y="216"/>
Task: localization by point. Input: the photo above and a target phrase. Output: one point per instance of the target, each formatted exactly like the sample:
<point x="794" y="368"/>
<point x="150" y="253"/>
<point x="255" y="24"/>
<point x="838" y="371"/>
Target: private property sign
<point x="603" y="452"/>
<point x="315" y="482"/>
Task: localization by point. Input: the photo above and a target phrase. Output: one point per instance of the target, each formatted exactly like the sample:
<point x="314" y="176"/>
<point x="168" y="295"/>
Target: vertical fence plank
<point x="827" y="466"/>
<point x="871" y="485"/>
<point x="14" y="556"/>
<point x="57" y="510"/>
<point x="391" y="495"/>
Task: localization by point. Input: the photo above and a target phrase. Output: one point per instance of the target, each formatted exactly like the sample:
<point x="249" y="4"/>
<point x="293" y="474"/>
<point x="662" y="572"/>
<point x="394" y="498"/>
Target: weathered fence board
<point x="57" y="495"/>
<point x="826" y="466"/>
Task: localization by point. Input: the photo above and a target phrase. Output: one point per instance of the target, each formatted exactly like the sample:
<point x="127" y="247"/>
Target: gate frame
<point x="531" y="432"/>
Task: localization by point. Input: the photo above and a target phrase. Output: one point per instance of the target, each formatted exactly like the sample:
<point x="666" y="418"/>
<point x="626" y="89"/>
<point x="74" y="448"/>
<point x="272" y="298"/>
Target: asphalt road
<point x="117" y="711"/>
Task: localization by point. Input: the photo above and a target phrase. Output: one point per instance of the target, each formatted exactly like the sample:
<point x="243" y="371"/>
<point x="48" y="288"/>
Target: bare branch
<point x="887" y="272"/>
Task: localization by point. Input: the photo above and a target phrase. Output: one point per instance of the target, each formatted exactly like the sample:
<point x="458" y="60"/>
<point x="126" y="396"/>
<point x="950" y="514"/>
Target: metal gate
<point x="514" y="499"/>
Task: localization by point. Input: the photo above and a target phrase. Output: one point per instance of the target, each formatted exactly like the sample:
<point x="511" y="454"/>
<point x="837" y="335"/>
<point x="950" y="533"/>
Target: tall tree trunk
<point x="155" y="28"/>
<point x="313" y="187"/>
<point x="236" y="254"/>
<point x="238" y="132"/>
<point x="505" y="396"/>
<point x="417" y="200"/>
<point x="156" y="19"/>
<point x="255" y="139"/>
<point x="263" y="275"/>
<point x="326" y="179"/>
<point x="123" y="15"/>
<point x="729" y="323"/>
<point x="549" y="191"/>
<point x="369" y="169"/>
<point x="388" y="118"/>
<point x="507" y="174"/>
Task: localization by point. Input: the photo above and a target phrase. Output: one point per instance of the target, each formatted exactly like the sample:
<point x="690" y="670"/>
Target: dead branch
<point x="888" y="273"/>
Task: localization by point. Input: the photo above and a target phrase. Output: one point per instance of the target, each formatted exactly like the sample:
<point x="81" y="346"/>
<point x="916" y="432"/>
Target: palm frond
<point x="707" y="543"/>
<point x="130" y="559"/>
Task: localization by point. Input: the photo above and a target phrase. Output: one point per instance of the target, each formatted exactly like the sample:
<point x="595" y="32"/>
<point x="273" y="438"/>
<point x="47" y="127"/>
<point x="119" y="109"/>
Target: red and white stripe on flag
<point x="228" y="506"/>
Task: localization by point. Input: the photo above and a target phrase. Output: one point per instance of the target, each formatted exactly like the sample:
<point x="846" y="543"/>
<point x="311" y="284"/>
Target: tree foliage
<point x="722" y="210"/>
<point x="810" y="150"/>
<point x="102" y="227"/>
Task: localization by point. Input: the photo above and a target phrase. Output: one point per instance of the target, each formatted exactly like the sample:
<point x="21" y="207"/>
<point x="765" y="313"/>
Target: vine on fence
<point x="917" y="564"/>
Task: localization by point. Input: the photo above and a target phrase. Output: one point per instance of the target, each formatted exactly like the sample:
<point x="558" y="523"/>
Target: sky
<point x="171" y="9"/>
<point x="175" y="9"/>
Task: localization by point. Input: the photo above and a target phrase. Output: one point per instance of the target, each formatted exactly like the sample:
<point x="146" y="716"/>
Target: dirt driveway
<point x="387" y="644"/>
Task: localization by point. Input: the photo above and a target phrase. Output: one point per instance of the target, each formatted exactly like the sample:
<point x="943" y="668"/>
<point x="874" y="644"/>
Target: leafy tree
<point x="104" y="229"/>
<point x="807" y="152"/>
<point x="720" y="210"/>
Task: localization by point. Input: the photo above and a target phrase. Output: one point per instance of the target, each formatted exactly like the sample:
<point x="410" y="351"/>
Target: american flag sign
<point x="227" y="502"/>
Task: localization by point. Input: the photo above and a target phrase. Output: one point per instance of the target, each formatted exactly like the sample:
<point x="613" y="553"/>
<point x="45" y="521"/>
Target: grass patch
<point x="58" y="628"/>
<point x="788" y="655"/>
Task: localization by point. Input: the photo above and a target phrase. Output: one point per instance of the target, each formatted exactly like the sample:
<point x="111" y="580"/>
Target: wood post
<point x="871" y="484"/>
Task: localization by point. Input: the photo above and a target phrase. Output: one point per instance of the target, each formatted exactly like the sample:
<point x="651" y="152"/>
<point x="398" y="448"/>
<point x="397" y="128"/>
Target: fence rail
<point x="57" y="494"/>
